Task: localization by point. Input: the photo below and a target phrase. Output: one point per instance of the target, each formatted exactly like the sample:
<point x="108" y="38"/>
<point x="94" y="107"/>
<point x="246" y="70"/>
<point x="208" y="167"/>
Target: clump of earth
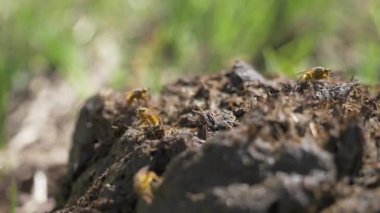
<point x="232" y="142"/>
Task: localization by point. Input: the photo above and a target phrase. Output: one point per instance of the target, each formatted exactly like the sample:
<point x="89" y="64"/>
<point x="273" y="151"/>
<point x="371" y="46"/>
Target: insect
<point x="144" y="183"/>
<point x="137" y="94"/>
<point x="315" y="73"/>
<point x="148" y="116"/>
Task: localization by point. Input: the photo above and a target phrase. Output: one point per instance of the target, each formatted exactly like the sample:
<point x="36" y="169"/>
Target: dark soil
<point x="233" y="142"/>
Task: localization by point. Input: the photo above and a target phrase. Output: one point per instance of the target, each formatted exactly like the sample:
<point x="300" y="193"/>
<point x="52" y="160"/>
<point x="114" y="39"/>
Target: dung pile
<point x="231" y="142"/>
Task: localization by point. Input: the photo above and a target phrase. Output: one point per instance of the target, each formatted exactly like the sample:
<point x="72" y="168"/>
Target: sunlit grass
<point x="12" y="190"/>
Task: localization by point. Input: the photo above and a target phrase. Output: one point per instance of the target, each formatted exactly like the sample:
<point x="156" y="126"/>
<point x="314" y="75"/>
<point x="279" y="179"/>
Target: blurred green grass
<point x="158" y="41"/>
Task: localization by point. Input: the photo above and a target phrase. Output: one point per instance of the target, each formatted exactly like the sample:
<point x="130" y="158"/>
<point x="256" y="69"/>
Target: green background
<point x="152" y="42"/>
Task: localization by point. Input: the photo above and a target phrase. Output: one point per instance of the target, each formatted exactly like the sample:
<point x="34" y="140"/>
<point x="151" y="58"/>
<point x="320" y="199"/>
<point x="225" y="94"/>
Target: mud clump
<point x="232" y="142"/>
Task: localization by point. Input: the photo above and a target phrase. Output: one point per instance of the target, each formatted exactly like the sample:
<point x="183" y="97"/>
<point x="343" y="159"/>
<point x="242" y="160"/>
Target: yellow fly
<point x="315" y="73"/>
<point x="143" y="182"/>
<point x="148" y="116"/>
<point x="137" y="94"/>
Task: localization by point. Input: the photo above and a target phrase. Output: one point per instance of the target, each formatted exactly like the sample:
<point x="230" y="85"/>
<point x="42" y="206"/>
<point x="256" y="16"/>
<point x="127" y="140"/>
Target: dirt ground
<point x="230" y="142"/>
<point x="39" y="127"/>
